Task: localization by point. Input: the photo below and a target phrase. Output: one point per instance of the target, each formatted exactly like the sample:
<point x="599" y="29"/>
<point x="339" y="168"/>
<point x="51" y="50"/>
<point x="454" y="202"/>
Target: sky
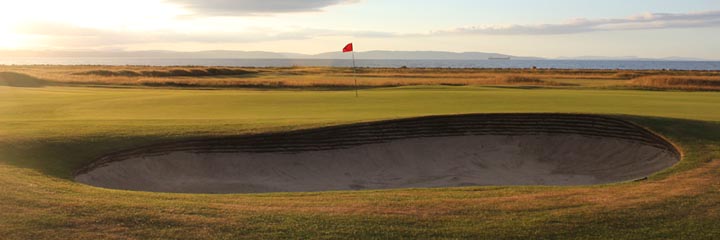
<point x="549" y="28"/>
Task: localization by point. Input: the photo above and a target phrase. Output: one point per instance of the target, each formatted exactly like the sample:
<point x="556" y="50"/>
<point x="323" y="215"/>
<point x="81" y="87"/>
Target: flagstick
<point x="355" y="74"/>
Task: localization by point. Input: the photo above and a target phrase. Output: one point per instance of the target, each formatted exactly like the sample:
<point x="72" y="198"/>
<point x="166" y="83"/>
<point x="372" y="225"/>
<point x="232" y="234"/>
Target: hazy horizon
<point x="547" y="29"/>
<point x="261" y="54"/>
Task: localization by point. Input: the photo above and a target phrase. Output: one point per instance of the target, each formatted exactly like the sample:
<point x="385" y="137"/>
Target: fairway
<point x="50" y="132"/>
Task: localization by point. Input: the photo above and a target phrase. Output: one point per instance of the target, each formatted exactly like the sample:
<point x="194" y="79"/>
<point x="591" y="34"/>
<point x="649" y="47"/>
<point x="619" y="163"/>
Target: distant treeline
<point x="169" y="73"/>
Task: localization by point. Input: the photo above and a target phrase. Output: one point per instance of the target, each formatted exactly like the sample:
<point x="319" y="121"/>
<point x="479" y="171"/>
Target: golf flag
<point x="348" y="48"/>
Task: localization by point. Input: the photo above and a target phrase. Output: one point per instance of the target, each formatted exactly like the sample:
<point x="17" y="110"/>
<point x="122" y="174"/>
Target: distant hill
<point x="426" y="55"/>
<point x="382" y="55"/>
<point x="394" y="55"/>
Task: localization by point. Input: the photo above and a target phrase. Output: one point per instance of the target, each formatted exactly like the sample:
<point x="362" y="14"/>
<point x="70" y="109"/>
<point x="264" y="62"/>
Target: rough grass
<point x="679" y="82"/>
<point x="46" y="133"/>
<point x="333" y="78"/>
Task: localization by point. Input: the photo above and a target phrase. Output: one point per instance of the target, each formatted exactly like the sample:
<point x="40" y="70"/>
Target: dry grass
<point x="327" y="77"/>
<point x="679" y="82"/>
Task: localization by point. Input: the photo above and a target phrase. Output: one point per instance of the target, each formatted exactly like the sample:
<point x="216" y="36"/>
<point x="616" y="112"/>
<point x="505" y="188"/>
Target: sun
<point x="9" y="40"/>
<point x="9" y="37"/>
<point x="18" y="17"/>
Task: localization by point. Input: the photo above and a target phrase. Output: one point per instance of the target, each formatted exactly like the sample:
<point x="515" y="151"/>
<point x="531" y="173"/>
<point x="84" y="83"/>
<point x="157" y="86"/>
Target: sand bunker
<point x="442" y="151"/>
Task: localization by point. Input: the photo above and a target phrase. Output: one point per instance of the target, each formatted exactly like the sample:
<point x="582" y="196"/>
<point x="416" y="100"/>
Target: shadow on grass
<point x="207" y="72"/>
<point x="260" y="86"/>
<point x="517" y="87"/>
<point x="13" y="79"/>
<point x="680" y="129"/>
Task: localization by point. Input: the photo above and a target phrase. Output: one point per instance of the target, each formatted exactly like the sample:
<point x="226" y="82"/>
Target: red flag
<point x="348" y="48"/>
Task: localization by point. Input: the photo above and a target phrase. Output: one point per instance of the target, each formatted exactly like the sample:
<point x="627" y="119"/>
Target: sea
<point x="543" y="64"/>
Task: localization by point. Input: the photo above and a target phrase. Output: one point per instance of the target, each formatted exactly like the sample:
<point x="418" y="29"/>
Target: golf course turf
<point x="48" y="133"/>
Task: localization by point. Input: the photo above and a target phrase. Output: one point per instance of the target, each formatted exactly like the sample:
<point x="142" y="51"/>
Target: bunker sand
<point x="440" y="151"/>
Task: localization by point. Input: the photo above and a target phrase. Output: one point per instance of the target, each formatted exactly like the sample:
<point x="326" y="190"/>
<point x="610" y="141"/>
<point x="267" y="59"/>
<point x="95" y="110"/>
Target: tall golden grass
<point x="679" y="82"/>
<point x="328" y="77"/>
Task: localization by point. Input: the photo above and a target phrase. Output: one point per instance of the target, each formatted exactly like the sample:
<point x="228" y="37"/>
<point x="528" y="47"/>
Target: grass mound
<point x="14" y="79"/>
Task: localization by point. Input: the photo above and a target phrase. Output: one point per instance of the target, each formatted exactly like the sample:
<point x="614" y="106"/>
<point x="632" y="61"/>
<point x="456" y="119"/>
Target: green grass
<point x="47" y="133"/>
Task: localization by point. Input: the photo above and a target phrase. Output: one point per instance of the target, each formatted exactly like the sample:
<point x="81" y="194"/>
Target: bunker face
<point x="468" y="150"/>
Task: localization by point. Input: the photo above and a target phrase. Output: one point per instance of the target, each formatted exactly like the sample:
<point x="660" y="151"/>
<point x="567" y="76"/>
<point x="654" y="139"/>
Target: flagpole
<point x="355" y="74"/>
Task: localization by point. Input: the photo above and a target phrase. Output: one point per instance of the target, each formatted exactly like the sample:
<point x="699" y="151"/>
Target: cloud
<point x="252" y="7"/>
<point x="638" y="22"/>
<point x="63" y="35"/>
<point x="67" y="35"/>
